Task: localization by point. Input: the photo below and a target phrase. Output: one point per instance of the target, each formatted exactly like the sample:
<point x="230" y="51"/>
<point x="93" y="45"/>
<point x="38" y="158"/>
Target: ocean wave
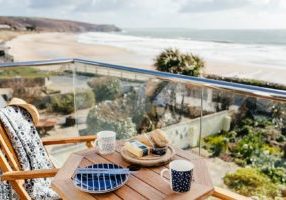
<point x="215" y="41"/>
<point x="221" y="41"/>
<point x="215" y="50"/>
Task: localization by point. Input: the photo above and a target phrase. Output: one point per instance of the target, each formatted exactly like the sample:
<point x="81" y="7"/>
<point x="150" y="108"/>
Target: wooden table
<point x="45" y="125"/>
<point x="144" y="184"/>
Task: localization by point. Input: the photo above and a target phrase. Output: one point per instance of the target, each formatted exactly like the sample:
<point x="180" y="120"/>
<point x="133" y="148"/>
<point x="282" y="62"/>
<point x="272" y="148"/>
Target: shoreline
<point x="6" y="36"/>
<point x="43" y="46"/>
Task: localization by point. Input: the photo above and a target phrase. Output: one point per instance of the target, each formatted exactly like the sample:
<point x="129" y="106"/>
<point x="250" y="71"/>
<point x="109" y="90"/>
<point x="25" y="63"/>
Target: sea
<point x="253" y="47"/>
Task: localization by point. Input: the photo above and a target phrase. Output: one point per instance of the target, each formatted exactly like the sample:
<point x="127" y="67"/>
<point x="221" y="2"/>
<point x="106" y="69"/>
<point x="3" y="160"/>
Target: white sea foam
<point x="257" y="54"/>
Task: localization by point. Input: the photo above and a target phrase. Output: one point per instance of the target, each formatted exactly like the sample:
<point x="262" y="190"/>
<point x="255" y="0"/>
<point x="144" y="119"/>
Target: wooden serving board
<point x="150" y="160"/>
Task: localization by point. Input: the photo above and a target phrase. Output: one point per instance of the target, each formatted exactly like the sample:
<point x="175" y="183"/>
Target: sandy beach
<point x="42" y="46"/>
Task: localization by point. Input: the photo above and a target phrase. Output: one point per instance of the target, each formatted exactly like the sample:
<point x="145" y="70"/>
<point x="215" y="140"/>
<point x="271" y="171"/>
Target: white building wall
<point x="186" y="134"/>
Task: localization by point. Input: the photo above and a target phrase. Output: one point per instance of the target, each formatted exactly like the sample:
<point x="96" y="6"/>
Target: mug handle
<point x="96" y="143"/>
<point x="162" y="175"/>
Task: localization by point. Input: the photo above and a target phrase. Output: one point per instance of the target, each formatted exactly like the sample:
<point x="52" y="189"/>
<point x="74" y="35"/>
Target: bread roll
<point x="145" y="139"/>
<point x="159" y="138"/>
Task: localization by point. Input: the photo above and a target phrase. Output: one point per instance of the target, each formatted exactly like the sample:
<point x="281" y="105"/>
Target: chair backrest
<point x="28" y="107"/>
<point x="5" y="143"/>
<point x="8" y="157"/>
<point x="9" y="162"/>
<point x="8" y="150"/>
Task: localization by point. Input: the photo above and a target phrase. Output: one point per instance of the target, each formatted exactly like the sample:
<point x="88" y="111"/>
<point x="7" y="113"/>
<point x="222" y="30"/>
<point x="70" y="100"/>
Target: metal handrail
<point x="37" y="63"/>
<point x="255" y="91"/>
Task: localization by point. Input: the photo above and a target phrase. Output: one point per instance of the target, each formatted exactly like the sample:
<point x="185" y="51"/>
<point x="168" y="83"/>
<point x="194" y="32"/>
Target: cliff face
<point x="53" y="25"/>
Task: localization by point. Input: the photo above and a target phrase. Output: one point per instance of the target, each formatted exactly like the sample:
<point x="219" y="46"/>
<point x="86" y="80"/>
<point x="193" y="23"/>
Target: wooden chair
<point x="10" y="166"/>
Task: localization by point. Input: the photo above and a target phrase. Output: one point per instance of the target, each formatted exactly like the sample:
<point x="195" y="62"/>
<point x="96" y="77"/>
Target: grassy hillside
<point x="46" y="24"/>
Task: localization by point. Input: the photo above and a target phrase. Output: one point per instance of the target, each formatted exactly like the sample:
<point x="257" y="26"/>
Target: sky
<point x="198" y="14"/>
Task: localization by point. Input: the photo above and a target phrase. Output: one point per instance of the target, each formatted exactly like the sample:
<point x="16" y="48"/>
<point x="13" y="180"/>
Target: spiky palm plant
<point x="173" y="61"/>
<point x="198" y="64"/>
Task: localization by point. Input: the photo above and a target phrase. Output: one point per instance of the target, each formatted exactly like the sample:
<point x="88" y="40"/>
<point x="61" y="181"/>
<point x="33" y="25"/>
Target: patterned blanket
<point x="30" y="152"/>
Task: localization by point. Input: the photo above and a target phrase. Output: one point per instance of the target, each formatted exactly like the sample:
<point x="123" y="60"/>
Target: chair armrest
<point x="228" y="195"/>
<point x="87" y="139"/>
<point x="17" y="175"/>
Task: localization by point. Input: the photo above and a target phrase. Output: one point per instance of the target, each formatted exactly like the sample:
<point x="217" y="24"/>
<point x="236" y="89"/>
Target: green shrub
<point x="262" y="160"/>
<point x="216" y="144"/>
<point x="64" y="103"/>
<point x="245" y="130"/>
<point x="84" y="99"/>
<point x="108" y="116"/>
<point x="271" y="165"/>
<point x="248" y="81"/>
<point x="251" y="182"/>
<point x="279" y="116"/>
<point x="24" y="72"/>
<point x="277" y="175"/>
<point x="248" y="146"/>
<point x="254" y="142"/>
<point x="173" y="61"/>
<point x="262" y="122"/>
<point x="240" y="162"/>
<point x="247" y="122"/>
<point x="281" y="138"/>
<point x="105" y="88"/>
<point x="272" y="150"/>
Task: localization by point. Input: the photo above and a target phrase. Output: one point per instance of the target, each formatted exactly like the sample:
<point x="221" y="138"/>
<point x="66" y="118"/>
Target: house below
<point x="4" y="27"/>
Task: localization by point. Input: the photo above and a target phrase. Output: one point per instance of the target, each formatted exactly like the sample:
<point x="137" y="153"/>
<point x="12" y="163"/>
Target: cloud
<point x="157" y="13"/>
<point x="47" y="4"/>
<point x="81" y="5"/>
<point x="197" y="6"/>
<point x="213" y="5"/>
<point x="102" y="5"/>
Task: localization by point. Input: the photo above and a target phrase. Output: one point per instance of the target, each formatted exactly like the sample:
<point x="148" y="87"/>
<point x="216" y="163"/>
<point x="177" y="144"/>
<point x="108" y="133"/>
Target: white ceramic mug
<point x="105" y="142"/>
<point x="181" y="173"/>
